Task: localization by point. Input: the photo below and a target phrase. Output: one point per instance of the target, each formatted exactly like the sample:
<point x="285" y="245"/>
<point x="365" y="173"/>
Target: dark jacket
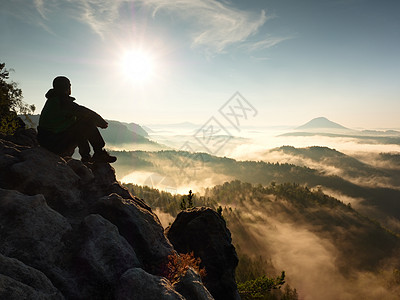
<point x="61" y="112"/>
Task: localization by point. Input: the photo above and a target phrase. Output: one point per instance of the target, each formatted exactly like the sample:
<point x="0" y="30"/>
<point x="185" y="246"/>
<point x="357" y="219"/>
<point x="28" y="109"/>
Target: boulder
<point x="41" y="172"/>
<point x="9" y="153"/>
<point x="140" y="285"/>
<point x="25" y="137"/>
<point x="19" y="281"/>
<point x="140" y="227"/>
<point x="27" y="222"/>
<point x="34" y="233"/>
<point x="12" y="289"/>
<point x="85" y="174"/>
<point x="191" y="287"/>
<point x="124" y="193"/>
<point x="7" y="160"/>
<point x="104" y="253"/>
<point x="104" y="175"/>
<point x="204" y="231"/>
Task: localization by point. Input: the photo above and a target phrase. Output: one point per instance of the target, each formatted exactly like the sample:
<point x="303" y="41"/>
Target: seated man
<point x="65" y="125"/>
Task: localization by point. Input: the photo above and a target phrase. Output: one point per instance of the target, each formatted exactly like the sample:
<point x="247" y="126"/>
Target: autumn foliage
<point x="177" y="266"/>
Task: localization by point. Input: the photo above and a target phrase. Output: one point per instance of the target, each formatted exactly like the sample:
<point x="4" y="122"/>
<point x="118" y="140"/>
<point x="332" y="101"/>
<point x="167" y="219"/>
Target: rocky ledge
<point x="71" y="231"/>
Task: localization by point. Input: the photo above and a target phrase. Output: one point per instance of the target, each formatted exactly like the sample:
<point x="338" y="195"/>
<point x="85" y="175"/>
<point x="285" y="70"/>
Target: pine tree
<point x="190" y="199"/>
<point x="183" y="204"/>
<point x="219" y="210"/>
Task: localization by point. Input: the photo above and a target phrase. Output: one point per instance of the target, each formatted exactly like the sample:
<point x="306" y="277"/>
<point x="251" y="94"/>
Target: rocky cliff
<point x="71" y="231"/>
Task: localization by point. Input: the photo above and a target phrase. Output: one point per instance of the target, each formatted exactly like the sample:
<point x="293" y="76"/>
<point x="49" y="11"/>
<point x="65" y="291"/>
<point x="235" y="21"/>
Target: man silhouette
<point x="65" y="125"/>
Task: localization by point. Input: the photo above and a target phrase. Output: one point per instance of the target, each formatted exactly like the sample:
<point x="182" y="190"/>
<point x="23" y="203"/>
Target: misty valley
<point x="329" y="218"/>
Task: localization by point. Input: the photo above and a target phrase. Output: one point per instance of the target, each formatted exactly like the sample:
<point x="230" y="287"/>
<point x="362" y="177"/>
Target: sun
<point x="138" y="66"/>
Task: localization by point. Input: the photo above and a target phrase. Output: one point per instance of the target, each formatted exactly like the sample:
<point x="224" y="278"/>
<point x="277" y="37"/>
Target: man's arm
<point x="85" y="113"/>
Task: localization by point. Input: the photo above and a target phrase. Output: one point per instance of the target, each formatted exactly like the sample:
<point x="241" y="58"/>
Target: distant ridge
<point x="173" y="125"/>
<point x="116" y="133"/>
<point x="323" y="127"/>
<point x="321" y="122"/>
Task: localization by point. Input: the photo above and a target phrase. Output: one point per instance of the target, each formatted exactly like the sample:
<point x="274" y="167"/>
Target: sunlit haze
<point x="157" y="62"/>
<point x="138" y="66"/>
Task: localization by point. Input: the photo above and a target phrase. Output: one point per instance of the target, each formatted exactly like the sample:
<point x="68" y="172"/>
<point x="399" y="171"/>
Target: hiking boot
<point x="103" y="156"/>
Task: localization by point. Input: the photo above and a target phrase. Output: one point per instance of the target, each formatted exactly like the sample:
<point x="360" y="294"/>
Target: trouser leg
<point x="94" y="137"/>
<point x="86" y="132"/>
<point x="84" y="148"/>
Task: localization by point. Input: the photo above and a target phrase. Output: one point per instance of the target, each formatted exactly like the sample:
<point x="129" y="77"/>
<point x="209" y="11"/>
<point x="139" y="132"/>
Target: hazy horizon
<point x="248" y="145"/>
<point x="167" y="125"/>
<point x="162" y="62"/>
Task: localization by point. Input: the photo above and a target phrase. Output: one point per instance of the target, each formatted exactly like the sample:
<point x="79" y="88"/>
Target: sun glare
<point x="138" y="66"/>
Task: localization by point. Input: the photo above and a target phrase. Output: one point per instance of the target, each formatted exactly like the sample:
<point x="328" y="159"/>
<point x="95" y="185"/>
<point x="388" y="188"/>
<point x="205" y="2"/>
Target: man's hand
<point x="103" y="124"/>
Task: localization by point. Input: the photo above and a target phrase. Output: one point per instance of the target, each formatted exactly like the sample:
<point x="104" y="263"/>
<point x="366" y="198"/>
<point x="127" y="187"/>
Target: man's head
<point x="62" y="84"/>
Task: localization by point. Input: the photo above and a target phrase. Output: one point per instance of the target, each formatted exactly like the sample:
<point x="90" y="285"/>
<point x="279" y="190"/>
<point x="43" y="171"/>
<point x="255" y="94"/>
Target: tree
<point x="219" y="210"/>
<point x="260" y="287"/>
<point x="183" y="205"/>
<point x="190" y="199"/>
<point x="11" y="103"/>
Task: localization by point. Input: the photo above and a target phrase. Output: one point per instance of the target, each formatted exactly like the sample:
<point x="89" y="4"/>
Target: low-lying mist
<point x="374" y="190"/>
<point x="255" y="144"/>
<point x="166" y="181"/>
<point x="310" y="262"/>
<point x="328" y="250"/>
<point x="370" y="172"/>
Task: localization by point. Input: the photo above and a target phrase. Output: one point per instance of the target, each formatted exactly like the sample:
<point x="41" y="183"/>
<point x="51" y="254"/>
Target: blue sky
<point x="292" y="60"/>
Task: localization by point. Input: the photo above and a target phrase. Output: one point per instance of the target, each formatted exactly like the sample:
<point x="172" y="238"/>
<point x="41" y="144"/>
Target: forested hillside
<point x="351" y="183"/>
<point x="315" y="238"/>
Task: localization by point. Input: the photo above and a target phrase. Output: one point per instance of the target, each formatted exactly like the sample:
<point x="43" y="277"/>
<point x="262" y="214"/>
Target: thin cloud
<point x="39" y="5"/>
<point x="255" y="58"/>
<point x="217" y="25"/>
<point x="214" y="25"/>
<point x="99" y="14"/>
<point x="265" y="43"/>
<point x="33" y="12"/>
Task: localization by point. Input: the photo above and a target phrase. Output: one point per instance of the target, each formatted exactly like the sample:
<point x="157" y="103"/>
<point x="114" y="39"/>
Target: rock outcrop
<point x="137" y="284"/>
<point x="19" y="281"/>
<point x="71" y="231"/>
<point x="204" y="231"/>
<point x="191" y="286"/>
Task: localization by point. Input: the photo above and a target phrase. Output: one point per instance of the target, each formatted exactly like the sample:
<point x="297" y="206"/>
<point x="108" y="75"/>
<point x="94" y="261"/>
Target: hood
<point x="53" y="93"/>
